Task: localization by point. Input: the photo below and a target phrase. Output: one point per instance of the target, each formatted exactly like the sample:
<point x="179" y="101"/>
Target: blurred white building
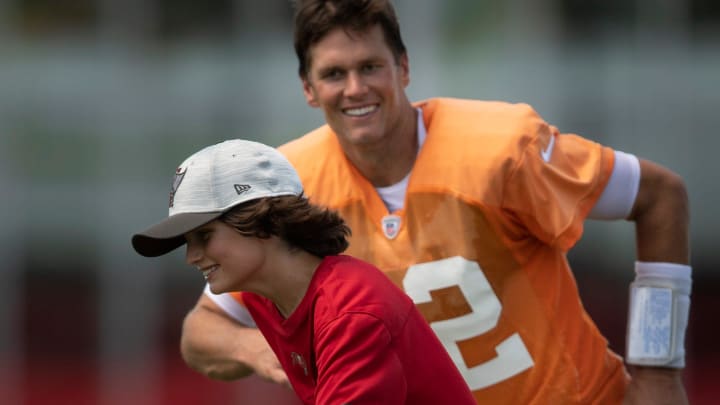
<point x="99" y="99"/>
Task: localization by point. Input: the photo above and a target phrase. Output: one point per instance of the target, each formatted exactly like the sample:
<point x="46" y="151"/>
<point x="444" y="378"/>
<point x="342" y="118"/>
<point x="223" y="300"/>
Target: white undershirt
<point x="394" y="195"/>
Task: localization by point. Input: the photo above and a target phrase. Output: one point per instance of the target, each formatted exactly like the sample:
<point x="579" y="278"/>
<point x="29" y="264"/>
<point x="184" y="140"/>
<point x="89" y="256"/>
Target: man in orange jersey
<point x="471" y="207"/>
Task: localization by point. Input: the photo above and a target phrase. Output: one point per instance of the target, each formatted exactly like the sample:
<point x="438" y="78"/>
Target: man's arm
<point x="661" y="216"/>
<point x="216" y="345"/>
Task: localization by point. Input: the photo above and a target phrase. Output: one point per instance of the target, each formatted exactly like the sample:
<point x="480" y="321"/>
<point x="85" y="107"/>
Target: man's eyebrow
<point x="340" y="66"/>
<point x="329" y="68"/>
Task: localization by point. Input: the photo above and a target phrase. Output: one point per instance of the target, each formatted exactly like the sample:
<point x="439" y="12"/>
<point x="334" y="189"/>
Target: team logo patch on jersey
<point x="179" y="176"/>
<point x="391" y="226"/>
<point x="297" y="360"/>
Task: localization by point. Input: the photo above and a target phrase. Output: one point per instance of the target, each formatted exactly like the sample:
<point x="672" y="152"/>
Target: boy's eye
<point x="198" y="236"/>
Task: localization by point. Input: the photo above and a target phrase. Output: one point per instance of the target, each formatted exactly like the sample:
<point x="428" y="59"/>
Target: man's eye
<point x="370" y="68"/>
<point x="332" y="74"/>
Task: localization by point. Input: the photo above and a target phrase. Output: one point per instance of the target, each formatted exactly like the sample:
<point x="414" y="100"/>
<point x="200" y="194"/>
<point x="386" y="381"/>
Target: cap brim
<point x="168" y="235"/>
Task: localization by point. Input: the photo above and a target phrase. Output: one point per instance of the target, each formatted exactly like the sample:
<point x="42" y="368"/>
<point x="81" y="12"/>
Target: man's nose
<point x="355" y="84"/>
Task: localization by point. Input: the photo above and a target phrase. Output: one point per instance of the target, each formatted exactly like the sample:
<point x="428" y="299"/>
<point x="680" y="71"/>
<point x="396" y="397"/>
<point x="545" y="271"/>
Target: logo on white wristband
<point x="658" y="314"/>
<point x="650" y="323"/>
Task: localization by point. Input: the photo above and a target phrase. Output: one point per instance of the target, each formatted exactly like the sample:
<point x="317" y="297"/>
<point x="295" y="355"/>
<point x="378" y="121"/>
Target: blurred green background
<point x="101" y="99"/>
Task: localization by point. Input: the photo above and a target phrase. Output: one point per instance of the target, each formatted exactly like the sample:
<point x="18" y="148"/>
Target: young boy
<point x="343" y="332"/>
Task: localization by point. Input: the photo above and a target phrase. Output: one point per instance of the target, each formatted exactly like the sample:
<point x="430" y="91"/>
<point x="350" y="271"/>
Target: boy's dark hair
<point x="294" y="219"/>
<point x="316" y="18"/>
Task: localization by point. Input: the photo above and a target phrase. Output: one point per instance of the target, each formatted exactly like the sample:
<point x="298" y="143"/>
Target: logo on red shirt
<point x="297" y="360"/>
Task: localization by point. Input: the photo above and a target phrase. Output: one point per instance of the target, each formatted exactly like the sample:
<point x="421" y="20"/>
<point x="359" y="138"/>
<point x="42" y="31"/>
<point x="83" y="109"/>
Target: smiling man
<point x="471" y="207"/>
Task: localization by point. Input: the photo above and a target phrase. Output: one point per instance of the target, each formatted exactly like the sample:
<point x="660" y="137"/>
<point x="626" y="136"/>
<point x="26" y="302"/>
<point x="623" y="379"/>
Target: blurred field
<point x="99" y="100"/>
<point x="66" y="370"/>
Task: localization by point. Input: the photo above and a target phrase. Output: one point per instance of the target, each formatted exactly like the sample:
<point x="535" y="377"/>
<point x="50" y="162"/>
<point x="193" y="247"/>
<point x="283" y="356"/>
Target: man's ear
<point x="309" y="93"/>
<point x="404" y="69"/>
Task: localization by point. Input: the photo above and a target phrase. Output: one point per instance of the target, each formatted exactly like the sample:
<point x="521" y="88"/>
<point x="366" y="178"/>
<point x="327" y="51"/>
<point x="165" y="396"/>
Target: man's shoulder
<point x="319" y="139"/>
<point x="461" y="106"/>
<point x="306" y="151"/>
<point x="494" y="125"/>
<point x="321" y="164"/>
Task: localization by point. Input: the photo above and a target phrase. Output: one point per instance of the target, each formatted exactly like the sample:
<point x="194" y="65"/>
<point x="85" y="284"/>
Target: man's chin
<point x="363" y="136"/>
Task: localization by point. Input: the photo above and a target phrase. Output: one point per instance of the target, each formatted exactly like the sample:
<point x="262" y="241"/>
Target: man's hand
<point x="221" y="348"/>
<point x="264" y="361"/>
<point x="655" y="386"/>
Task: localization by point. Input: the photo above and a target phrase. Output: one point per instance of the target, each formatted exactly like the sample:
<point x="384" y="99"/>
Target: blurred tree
<point x="50" y="18"/>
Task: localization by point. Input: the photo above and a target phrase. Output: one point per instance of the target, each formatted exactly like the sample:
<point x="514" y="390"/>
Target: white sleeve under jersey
<point x="619" y="195"/>
<point x="231" y="307"/>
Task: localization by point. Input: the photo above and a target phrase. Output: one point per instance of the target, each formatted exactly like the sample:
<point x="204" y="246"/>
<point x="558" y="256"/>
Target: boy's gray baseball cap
<point x="212" y="181"/>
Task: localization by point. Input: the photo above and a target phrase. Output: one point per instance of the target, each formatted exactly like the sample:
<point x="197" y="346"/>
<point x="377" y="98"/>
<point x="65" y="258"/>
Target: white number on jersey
<point x="512" y="355"/>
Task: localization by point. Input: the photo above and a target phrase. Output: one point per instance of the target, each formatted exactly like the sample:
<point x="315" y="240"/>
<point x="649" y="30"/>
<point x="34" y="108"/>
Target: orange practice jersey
<point x="495" y="199"/>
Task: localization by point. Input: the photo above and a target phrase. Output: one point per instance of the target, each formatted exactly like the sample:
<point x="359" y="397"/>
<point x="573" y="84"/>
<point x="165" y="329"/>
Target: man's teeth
<point x="360" y="111"/>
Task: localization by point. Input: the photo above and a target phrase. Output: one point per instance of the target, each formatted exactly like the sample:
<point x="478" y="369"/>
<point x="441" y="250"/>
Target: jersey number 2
<point x="511" y="357"/>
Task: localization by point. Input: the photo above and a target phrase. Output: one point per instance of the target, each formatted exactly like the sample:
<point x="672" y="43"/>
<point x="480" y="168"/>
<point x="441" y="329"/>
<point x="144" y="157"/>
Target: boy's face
<point x="228" y="260"/>
<point x="357" y="82"/>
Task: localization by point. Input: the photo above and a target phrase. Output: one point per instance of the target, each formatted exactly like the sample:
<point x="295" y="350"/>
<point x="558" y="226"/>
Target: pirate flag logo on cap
<point x="179" y="175"/>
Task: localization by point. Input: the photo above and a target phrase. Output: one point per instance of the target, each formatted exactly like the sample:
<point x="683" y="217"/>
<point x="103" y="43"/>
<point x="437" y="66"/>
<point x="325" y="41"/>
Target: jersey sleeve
<point x="356" y="363"/>
<point x="555" y="183"/>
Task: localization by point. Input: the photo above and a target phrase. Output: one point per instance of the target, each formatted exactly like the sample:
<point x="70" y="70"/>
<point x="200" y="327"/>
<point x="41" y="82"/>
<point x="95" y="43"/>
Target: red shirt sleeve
<point x="357" y="364"/>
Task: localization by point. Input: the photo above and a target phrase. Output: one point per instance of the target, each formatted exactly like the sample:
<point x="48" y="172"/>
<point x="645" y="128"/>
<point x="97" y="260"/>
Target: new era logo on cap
<point x="241" y="188"/>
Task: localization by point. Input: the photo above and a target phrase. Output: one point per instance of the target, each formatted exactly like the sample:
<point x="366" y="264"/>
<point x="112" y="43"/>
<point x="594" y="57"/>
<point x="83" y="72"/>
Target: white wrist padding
<point x="658" y="314"/>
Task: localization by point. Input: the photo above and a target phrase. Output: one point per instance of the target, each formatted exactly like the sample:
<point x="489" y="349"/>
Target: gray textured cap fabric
<point x="212" y="181"/>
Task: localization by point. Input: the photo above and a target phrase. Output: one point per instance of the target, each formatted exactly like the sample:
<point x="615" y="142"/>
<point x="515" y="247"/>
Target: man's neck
<point x="386" y="164"/>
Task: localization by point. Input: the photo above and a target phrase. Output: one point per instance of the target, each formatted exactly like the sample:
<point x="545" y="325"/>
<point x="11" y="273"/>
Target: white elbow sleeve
<point x="619" y="195"/>
<point x="658" y="314"/>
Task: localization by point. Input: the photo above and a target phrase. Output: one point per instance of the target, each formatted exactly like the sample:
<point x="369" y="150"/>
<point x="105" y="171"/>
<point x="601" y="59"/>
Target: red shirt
<point x="356" y="338"/>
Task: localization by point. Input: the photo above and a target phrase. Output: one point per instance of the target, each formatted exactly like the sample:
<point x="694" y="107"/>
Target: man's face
<point x="355" y="79"/>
